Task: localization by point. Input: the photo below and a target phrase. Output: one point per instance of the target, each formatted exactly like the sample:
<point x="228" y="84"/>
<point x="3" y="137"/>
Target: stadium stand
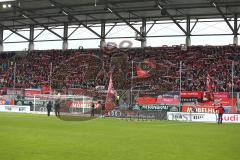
<point x="89" y="68"/>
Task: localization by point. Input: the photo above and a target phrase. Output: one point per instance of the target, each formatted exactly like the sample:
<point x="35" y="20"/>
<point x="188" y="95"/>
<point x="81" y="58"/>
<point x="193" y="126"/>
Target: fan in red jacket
<point x="220" y="111"/>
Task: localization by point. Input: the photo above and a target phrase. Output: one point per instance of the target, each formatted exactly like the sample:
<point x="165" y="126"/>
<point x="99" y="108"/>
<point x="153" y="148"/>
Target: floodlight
<point x="160" y="7"/>
<point x="25" y="16"/>
<point x="109" y="9"/>
<point x="7" y="0"/>
<point x="65" y="13"/>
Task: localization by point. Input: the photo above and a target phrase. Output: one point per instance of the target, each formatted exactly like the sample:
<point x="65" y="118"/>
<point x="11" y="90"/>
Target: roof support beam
<point x="188" y="29"/>
<point x="235" y="25"/>
<point x="60" y="6"/>
<point x="144" y="34"/>
<point x="235" y="33"/>
<point x="74" y="31"/>
<point x="103" y="34"/>
<point x="32" y="19"/>
<point x="175" y="21"/>
<point x="45" y="27"/>
<point x="111" y="29"/>
<point x="194" y="25"/>
<point x="31" y="38"/>
<point x="151" y="27"/>
<point x="214" y="4"/>
<point x="39" y="34"/>
<point x="1" y="38"/>
<point x="229" y="25"/>
<point x="124" y="20"/>
<point x="7" y="36"/>
<point x="238" y="27"/>
<point x="14" y="32"/>
<point x="164" y="11"/>
<point x="65" y="36"/>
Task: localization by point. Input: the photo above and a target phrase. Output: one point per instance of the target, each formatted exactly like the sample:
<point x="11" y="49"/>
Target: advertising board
<point x="15" y="108"/>
<point x="202" y="117"/>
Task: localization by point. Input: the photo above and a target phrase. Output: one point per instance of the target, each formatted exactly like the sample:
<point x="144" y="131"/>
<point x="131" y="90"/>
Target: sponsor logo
<point x="22" y="109"/>
<point x="201" y="110"/>
<point x="14" y="92"/>
<point x="186" y="117"/>
<point x="174" y="109"/>
<point x="79" y="104"/>
<point x="156" y="107"/>
<point x="198" y="116"/>
<point x="231" y="118"/>
<point x="180" y="117"/>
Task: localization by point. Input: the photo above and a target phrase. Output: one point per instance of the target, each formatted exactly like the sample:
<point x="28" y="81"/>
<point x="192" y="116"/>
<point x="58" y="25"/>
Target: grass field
<point x="38" y="137"/>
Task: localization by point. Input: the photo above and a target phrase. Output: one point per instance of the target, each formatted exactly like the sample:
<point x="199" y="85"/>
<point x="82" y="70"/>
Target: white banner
<point x="14" y="108"/>
<point x="202" y="117"/>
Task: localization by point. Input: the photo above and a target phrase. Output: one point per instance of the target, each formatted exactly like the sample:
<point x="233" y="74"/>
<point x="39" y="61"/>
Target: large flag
<point x="149" y="62"/>
<point x="208" y="96"/>
<point x="210" y="84"/>
<point x="141" y="73"/>
<point x="46" y="89"/>
<point x="111" y="94"/>
<point x="143" y="68"/>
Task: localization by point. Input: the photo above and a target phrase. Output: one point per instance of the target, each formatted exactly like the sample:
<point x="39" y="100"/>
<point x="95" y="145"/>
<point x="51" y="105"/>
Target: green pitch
<point x="38" y="137"/>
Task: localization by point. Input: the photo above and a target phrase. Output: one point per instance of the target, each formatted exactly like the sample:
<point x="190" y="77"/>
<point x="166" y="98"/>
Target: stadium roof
<point x="42" y="13"/>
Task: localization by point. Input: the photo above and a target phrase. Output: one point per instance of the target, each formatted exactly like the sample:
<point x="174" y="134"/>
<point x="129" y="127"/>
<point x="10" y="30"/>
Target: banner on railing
<point x="202" y="117"/>
<point x="200" y="109"/>
<point x="16" y="92"/>
<point x="32" y="92"/>
<point x="138" y="114"/>
<point x="220" y="95"/>
<point x="198" y="95"/>
<point x="14" y="108"/>
<point x="81" y="104"/>
<point x="170" y="101"/>
<point x="158" y="107"/>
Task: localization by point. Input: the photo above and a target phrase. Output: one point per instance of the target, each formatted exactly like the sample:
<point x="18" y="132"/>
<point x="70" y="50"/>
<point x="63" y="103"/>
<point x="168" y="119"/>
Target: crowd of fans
<point x="90" y="68"/>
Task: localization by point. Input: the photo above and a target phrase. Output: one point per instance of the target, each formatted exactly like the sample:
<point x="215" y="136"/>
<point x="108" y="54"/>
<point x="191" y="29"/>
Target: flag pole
<point x="232" y="82"/>
<point x="50" y="78"/>
<point x="131" y="85"/>
<point x="14" y="75"/>
<point x="180" y="81"/>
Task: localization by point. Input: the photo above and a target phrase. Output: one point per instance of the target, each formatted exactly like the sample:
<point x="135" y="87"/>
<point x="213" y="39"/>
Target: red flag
<point x="141" y="73"/>
<point x="109" y="105"/>
<point x="149" y="62"/>
<point x="146" y="100"/>
<point x="143" y="69"/>
<point x="210" y="87"/>
<point x="209" y="83"/>
<point x="46" y="89"/>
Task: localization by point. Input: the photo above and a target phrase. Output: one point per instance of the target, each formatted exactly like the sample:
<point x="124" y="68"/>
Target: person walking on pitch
<point x="57" y="108"/>
<point x="49" y="107"/>
<point x="92" y="109"/>
<point x="220" y="111"/>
